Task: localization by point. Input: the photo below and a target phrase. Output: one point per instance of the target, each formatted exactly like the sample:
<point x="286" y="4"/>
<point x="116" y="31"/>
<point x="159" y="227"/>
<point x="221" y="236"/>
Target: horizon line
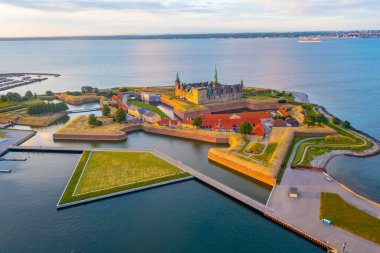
<point x="284" y="34"/>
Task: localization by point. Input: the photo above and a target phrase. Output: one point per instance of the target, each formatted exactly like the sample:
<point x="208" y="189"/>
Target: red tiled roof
<point x="258" y="130"/>
<point x="119" y="103"/>
<point x="224" y="121"/>
<point x="283" y="112"/>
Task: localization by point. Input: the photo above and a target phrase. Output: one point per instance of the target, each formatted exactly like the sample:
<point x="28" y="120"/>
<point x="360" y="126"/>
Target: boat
<point x="309" y="39"/>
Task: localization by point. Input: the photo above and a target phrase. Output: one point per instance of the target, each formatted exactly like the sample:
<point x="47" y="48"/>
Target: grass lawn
<point x="287" y="157"/>
<point x="348" y="217"/>
<point x="151" y="108"/>
<point x="268" y="153"/>
<point x="110" y="172"/>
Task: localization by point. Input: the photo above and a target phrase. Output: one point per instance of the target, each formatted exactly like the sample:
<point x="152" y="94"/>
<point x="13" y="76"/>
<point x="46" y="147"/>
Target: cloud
<point x="86" y="17"/>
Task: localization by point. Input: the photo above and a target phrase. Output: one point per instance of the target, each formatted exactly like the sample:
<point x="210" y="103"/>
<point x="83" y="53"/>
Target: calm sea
<point x="343" y="75"/>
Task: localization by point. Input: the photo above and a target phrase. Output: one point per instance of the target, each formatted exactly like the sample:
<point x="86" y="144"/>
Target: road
<point x="303" y="212"/>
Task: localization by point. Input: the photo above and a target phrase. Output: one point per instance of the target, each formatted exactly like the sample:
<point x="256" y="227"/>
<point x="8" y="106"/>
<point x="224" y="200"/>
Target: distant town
<point x="263" y="35"/>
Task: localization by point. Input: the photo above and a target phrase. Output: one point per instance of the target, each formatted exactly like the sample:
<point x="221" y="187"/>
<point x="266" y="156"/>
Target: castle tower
<point x="215" y="79"/>
<point x="177" y="82"/>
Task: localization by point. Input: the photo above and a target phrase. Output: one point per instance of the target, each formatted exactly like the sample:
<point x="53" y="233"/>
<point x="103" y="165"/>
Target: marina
<point x="13" y="80"/>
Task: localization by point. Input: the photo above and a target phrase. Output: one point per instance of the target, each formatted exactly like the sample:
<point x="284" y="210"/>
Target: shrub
<point x="346" y="124"/>
<point x="255" y="147"/>
<point x="336" y="121"/>
<point x="282" y="101"/>
<point x="197" y="121"/>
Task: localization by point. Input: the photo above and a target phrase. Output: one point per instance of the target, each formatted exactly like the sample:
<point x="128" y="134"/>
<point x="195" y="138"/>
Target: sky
<point x="35" y="18"/>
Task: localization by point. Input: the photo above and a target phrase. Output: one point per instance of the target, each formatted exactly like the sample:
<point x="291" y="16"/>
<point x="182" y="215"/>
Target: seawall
<point x="215" y="157"/>
<point x="184" y="134"/>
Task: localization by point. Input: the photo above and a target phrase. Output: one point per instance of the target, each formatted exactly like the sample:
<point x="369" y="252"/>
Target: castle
<point x="208" y="92"/>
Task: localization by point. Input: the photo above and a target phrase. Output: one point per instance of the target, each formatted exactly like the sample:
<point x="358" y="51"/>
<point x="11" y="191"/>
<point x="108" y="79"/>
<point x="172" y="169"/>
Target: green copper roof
<point x="215" y="80"/>
<point x="177" y="77"/>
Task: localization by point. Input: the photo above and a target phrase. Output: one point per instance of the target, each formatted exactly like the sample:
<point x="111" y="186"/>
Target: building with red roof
<point x="259" y="130"/>
<point x="283" y="112"/>
<point x="230" y="121"/>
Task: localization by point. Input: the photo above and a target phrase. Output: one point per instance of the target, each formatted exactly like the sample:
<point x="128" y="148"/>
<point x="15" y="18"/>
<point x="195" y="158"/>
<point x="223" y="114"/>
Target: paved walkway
<point x="14" y="137"/>
<point x="303" y="212"/>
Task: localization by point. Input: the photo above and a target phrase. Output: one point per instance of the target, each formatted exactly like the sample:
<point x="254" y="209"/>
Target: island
<point x="277" y="138"/>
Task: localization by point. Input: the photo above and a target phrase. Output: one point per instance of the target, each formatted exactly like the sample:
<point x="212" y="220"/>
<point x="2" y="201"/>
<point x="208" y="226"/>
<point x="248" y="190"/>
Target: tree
<point x="29" y="94"/>
<point x="320" y="118"/>
<point x="49" y="93"/>
<point x="106" y="110"/>
<point x="44" y="108"/>
<point x="123" y="89"/>
<point x="336" y="121"/>
<point x="120" y="115"/>
<point x="93" y="120"/>
<point x="13" y="96"/>
<point x="197" y="121"/>
<point x="346" y="124"/>
<point x="245" y="128"/>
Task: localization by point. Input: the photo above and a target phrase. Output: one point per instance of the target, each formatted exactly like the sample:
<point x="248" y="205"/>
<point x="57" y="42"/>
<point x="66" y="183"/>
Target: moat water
<point x="343" y="75"/>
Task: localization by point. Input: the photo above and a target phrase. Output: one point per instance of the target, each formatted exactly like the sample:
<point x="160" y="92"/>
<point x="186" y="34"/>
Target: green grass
<point x="348" y="217"/>
<point x="267" y="155"/>
<point x="255" y="147"/>
<point x="151" y="108"/>
<point x="110" y="172"/>
<point x="321" y="146"/>
<point x="287" y="157"/>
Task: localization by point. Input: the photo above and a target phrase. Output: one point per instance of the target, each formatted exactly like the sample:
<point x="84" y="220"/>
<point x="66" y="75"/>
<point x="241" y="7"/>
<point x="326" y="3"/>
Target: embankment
<point x="200" y="135"/>
<point x="221" y="107"/>
<point x="77" y="100"/>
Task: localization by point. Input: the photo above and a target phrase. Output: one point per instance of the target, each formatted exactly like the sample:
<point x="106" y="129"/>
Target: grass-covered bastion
<point x="101" y="174"/>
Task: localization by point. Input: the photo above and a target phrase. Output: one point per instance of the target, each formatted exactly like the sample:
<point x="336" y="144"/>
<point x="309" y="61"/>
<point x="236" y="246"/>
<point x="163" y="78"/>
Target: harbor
<point x="13" y="80"/>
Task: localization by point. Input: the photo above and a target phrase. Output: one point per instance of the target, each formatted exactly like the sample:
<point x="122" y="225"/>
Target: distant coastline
<point x="262" y="35"/>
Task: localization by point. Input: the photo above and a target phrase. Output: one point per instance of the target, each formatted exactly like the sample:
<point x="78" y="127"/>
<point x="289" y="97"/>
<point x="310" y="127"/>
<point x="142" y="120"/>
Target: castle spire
<point x="177" y="77"/>
<point x="215" y="80"/>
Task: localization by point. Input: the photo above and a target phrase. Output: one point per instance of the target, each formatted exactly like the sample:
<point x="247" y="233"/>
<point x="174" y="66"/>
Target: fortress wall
<point x="218" y="158"/>
<point x="183" y="134"/>
<point x="132" y="128"/>
<point x="90" y="137"/>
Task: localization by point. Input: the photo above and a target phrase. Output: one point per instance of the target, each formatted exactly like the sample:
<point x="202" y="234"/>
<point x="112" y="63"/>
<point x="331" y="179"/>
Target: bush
<point x="120" y="115"/>
<point x="197" y="121"/>
<point x="255" y="147"/>
<point x="49" y="93"/>
<point x="336" y="121"/>
<point x="93" y="120"/>
<point x="282" y="101"/>
<point x="333" y="139"/>
<point x="346" y="124"/>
